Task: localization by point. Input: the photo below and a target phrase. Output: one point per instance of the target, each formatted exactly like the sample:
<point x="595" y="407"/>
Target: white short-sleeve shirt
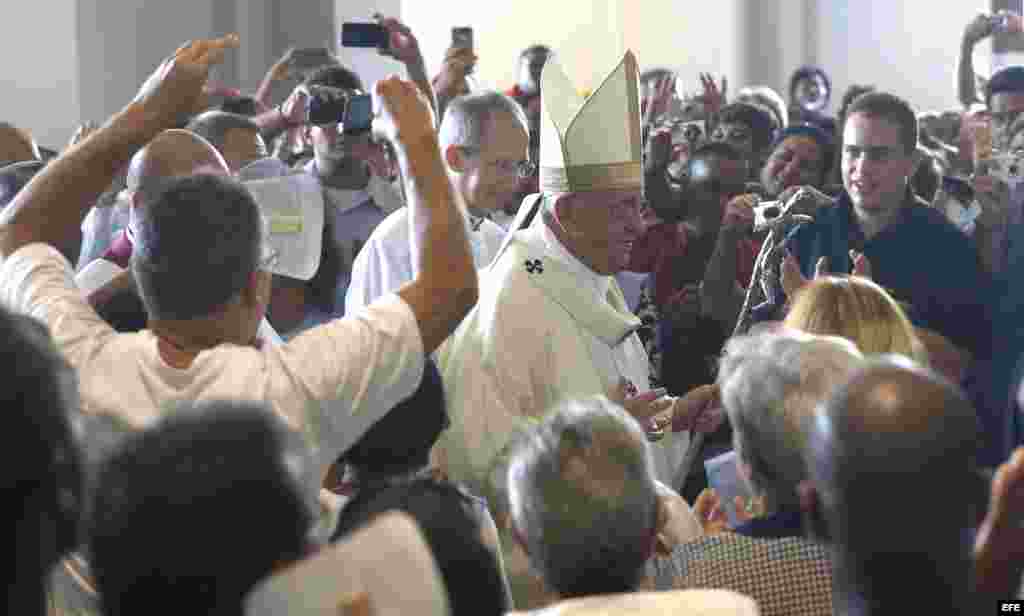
<point x="331" y="383"/>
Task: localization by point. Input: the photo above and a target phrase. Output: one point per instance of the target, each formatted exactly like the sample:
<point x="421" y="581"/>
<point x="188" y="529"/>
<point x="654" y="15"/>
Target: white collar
<point x="593" y="281"/>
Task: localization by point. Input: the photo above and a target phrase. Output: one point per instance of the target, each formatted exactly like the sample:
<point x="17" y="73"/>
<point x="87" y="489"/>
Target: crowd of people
<point x="647" y="348"/>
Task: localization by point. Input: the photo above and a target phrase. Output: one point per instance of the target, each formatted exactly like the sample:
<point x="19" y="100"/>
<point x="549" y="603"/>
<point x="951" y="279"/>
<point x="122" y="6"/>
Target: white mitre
<point x="591" y="144"/>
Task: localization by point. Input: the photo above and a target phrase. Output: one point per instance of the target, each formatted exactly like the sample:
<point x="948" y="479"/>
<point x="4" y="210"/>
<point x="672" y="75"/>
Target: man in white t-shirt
<point x="484" y="138"/>
<point x="200" y="259"/>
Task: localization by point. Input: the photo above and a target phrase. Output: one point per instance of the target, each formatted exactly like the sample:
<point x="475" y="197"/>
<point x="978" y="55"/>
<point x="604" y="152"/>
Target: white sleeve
<point x="352" y="371"/>
<point x="365" y="283"/>
<point x="38" y="280"/>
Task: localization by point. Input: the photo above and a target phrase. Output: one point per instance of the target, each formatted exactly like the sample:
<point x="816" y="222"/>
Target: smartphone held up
<point x="365" y="35"/>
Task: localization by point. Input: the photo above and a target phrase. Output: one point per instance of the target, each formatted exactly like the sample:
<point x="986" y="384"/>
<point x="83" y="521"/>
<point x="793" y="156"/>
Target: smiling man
<point x="919" y="257"/>
<point x="551" y="322"/>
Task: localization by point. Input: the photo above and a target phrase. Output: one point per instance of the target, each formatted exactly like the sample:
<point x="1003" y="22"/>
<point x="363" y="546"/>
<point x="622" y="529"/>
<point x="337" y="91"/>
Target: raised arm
<point x="722" y="298"/>
<point x="406" y="49"/>
<point x="50" y="209"/>
<point x="445" y="288"/>
<point x="980" y="28"/>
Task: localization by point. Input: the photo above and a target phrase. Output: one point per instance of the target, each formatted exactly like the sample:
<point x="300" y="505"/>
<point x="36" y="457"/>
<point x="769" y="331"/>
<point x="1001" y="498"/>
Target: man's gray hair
<point x="467" y="118"/>
<point x="770" y="384"/>
<point x="582" y="498"/>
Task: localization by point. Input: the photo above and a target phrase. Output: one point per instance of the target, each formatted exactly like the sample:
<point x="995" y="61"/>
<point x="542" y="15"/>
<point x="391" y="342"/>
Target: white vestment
<point x="385" y="262"/>
<point x="546" y="328"/>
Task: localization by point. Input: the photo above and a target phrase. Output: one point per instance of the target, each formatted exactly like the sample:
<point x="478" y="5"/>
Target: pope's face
<point x="604" y="226"/>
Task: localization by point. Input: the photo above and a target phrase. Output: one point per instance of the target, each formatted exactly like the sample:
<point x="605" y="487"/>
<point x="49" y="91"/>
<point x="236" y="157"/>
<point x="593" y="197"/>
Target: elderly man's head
<point x="485" y="138"/>
<point x="583" y="500"/>
<point x="16" y="145"/>
<point x="892" y="460"/>
<point x="770" y="384"/>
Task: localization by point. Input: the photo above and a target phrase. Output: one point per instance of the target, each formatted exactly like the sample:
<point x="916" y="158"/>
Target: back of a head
<point x="891" y="108"/>
<point x="202" y="223"/>
<point x="759" y="120"/>
<point x="467" y="119"/>
<point x="1007" y="79"/>
<point x="892" y="439"/>
<point x="172" y="154"/>
<point x="451" y="523"/>
<point x="42" y="467"/>
<point x="213" y="126"/>
<point x="859" y="310"/>
<point x="767" y="98"/>
<point x="582" y="498"/>
<point x="14" y="177"/>
<point x="335" y="77"/>
<point x="401" y="441"/>
<point x="16" y="145"/>
<point x="191" y="513"/>
<point x="770" y="384"/>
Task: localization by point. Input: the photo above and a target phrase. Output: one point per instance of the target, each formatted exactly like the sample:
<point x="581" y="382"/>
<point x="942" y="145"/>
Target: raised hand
<point x="177" y="88"/>
<point x="403" y="114"/>
<point x="451" y="81"/>
<point x="739" y="213"/>
<point x="714" y="97"/>
<point x="402" y="44"/>
<point x="656" y="103"/>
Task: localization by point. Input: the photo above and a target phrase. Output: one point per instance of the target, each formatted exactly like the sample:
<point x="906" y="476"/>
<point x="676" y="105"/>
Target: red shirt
<point x="665" y="252"/>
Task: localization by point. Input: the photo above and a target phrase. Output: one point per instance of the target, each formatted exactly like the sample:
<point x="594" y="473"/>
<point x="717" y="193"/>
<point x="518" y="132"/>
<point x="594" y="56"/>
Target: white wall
<point x="368" y="63"/>
<point x="39" y="79"/>
<point x="71" y="60"/>
<point x="589" y="36"/>
<point x="908" y="48"/>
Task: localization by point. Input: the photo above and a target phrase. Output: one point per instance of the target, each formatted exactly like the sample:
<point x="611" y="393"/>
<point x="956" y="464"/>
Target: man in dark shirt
<point x="915" y="253"/>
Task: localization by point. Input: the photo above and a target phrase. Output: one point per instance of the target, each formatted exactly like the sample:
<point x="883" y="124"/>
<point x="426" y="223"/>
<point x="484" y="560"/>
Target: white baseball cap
<point x="292" y="208"/>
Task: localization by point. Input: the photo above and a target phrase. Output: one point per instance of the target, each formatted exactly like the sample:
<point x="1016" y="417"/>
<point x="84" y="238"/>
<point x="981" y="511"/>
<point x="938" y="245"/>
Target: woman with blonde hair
<point x="859" y="310"/>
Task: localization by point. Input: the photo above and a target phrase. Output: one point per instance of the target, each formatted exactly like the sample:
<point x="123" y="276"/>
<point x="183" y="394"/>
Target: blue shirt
<point x="921" y="259"/>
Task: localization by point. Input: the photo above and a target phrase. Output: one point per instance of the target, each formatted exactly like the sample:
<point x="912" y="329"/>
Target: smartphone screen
<point x="462" y="38"/>
<point x="355" y="34"/>
<point x="358" y="114"/>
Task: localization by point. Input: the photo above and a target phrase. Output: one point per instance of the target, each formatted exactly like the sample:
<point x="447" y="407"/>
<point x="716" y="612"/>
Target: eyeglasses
<point x="520" y="168"/>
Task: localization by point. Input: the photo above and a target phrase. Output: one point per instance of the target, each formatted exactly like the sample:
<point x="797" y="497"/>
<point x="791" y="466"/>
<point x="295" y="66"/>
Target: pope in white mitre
<point x="551" y="322"/>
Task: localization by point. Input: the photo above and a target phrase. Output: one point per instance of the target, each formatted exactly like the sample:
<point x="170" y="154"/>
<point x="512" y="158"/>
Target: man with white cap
<point x="201" y="259"/>
<point x="552" y="322"/>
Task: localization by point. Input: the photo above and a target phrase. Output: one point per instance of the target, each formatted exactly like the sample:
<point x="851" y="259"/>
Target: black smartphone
<point x="358" y="34"/>
<point x="462" y="38"/>
<point x="326" y="106"/>
<point x="358" y="116"/>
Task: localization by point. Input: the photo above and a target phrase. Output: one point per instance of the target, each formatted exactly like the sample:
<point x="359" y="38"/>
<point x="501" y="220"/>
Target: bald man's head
<point x="892" y="459"/>
<point x="894" y="438"/>
<point x="173" y="154"/>
<point x="16" y="145"/>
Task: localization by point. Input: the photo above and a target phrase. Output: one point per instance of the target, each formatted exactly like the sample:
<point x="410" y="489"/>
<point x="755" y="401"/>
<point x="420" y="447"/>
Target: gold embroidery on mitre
<point x="590" y="178"/>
